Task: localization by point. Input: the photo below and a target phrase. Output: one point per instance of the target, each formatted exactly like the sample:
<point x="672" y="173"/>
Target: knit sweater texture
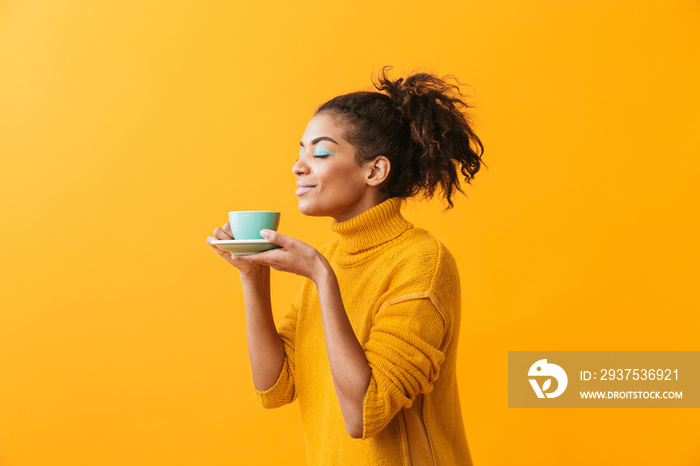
<point x="401" y="291"/>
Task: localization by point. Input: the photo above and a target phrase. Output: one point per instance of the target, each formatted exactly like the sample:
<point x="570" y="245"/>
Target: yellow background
<point x="129" y="129"/>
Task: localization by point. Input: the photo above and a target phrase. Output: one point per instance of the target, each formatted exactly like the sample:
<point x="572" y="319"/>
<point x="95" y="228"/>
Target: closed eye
<point x="322" y="152"/>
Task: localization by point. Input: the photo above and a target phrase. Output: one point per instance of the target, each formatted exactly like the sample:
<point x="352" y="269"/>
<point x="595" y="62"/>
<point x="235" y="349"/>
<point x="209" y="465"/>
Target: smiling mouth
<point x="301" y="190"/>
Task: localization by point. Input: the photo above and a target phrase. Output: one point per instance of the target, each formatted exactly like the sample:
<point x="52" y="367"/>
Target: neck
<point x="378" y="225"/>
<point x="366" y="203"/>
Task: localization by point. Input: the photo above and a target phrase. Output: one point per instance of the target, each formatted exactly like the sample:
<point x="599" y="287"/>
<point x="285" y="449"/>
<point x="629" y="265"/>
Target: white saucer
<point x="244" y="247"/>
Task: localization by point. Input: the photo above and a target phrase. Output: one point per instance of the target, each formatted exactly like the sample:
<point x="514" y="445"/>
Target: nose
<point x="300" y="167"/>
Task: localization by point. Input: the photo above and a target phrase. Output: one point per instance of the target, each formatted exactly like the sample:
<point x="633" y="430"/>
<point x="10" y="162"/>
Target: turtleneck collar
<point x="371" y="228"/>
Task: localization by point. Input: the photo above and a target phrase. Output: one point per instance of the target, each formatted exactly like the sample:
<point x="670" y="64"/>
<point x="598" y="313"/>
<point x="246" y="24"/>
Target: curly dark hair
<point x="419" y="125"/>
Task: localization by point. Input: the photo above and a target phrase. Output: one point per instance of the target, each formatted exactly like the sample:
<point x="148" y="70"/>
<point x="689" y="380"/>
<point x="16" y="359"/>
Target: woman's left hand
<point x="295" y="256"/>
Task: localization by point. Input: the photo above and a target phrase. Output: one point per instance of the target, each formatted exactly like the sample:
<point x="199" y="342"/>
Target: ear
<point x="380" y="167"/>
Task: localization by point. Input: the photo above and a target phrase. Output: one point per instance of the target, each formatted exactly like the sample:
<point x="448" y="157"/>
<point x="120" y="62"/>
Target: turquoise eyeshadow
<point x="321" y="151"/>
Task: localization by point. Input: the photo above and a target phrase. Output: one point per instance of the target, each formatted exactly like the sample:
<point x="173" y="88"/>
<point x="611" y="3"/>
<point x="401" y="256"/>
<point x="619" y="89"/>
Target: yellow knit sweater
<point x="400" y="288"/>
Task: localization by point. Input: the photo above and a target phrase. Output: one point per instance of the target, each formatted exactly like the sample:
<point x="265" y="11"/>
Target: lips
<point x="303" y="189"/>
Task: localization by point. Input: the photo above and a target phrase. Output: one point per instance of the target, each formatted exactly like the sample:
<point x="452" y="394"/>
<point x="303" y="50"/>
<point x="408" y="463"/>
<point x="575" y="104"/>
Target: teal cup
<point x="246" y="224"/>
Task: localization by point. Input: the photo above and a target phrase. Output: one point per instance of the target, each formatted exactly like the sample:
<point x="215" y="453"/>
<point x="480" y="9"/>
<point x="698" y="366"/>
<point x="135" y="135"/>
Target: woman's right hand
<point x="226" y="233"/>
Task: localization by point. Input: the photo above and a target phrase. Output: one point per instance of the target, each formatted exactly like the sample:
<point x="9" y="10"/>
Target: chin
<point x="308" y="210"/>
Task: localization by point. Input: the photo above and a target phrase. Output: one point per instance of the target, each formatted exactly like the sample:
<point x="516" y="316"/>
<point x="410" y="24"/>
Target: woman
<point x="369" y="345"/>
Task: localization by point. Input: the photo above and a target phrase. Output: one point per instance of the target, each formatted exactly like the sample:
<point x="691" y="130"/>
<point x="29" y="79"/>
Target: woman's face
<point x="329" y="180"/>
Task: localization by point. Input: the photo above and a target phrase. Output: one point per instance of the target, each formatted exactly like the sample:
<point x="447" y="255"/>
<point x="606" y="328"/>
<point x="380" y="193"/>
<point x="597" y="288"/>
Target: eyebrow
<point x="321" y="138"/>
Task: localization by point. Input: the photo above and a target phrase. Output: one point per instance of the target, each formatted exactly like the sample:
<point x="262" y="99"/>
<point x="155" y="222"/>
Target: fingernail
<point x="264" y="233"/>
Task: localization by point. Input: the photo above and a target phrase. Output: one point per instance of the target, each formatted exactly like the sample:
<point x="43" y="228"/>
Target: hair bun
<point x="399" y="94"/>
<point x="419" y="96"/>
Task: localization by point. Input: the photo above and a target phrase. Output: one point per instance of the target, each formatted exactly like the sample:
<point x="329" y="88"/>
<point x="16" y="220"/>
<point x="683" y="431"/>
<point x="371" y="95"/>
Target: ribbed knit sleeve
<point x="404" y="352"/>
<point x="284" y="390"/>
